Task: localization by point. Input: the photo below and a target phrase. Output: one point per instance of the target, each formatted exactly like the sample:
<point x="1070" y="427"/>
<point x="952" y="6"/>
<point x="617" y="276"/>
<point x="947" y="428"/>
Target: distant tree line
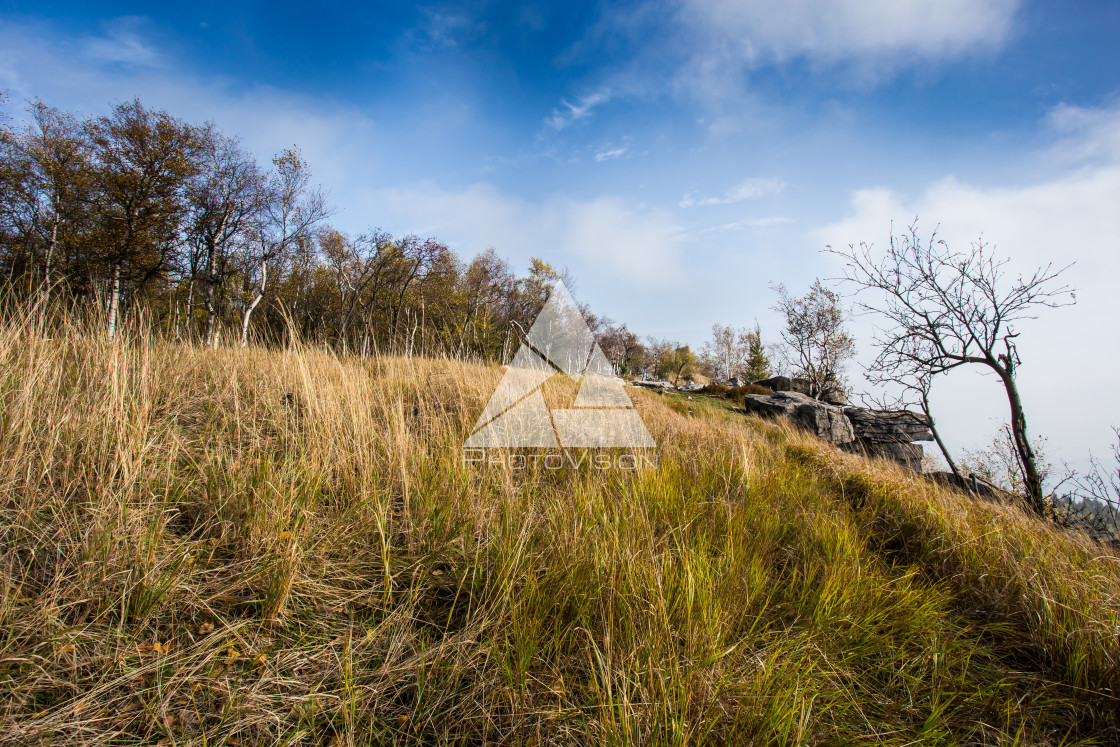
<point x="137" y="211"/>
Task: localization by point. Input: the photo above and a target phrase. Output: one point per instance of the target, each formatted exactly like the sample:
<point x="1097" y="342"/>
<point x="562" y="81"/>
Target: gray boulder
<point x="821" y="419"/>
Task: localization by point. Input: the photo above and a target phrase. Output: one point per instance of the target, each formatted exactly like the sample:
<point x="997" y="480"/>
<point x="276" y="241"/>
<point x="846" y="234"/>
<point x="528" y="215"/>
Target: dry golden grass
<point x="213" y="547"/>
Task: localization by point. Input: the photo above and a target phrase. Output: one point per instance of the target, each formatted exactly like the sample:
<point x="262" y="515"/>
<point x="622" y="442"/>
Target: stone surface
<point x="889" y="426"/>
<point x="889" y="434"/>
<point x="653" y="384"/>
<point x="821" y="419"/>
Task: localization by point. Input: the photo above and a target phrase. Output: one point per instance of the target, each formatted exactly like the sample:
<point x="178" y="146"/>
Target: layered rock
<point x="889" y="434"/>
<point x="874" y="433"/>
<point x="819" y="418"/>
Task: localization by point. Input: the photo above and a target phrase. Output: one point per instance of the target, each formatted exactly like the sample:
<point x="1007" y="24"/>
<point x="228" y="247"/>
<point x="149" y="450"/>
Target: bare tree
<point x="816" y="336"/>
<point x="998" y="463"/>
<point x="292" y="211"/>
<point x="724" y="353"/>
<point x="1091" y="500"/>
<point x="947" y="309"/>
<point x="620" y="346"/>
<point x="224" y="200"/>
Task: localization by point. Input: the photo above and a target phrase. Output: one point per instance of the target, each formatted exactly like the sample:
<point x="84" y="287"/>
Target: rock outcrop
<point x="784" y="384"/>
<point x="653" y="384"/>
<point x="819" y="418"/>
<point x="874" y="433"/>
<point x="890" y="434"/>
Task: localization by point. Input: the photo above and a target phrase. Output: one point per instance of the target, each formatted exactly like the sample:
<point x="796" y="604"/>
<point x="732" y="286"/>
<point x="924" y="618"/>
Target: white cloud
<point x="837" y="30"/>
<point x="605" y="238"/>
<point x="570" y="112"/>
<point x="748" y="189"/>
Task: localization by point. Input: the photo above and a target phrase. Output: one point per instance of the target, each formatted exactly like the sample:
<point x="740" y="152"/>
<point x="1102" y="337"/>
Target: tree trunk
<point x="937" y="437"/>
<point x="188" y="321"/>
<point x="210" y="314"/>
<point x="114" y="299"/>
<point x="253" y="305"/>
<point x="1031" y="478"/>
<point x="50" y="257"/>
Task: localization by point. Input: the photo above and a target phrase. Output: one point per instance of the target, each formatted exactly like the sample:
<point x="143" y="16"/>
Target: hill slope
<point x="254" y="547"/>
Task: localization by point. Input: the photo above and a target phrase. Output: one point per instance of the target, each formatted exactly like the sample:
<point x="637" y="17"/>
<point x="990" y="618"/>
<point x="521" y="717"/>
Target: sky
<point x="677" y="156"/>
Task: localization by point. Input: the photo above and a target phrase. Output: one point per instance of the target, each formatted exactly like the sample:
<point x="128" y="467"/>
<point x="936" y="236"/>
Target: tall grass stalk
<point x="225" y="546"/>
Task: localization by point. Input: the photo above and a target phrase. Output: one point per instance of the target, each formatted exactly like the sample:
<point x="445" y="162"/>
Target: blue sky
<point x="676" y="155"/>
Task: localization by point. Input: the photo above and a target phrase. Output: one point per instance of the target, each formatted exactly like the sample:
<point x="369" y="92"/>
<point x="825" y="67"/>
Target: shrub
<point x="715" y="390"/>
<point x="739" y="391"/>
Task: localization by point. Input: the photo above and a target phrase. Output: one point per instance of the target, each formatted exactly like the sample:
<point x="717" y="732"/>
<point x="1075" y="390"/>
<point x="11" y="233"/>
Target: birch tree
<point x="291" y="212"/>
<point x="224" y="201"/>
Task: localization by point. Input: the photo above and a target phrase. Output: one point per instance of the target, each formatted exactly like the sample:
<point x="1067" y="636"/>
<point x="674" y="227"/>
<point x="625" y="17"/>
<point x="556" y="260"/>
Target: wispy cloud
<point x="739" y="225"/>
<point x="1087" y="133"/>
<point x="449" y="29"/>
<point x="569" y="112"/>
<point x="123" y="42"/>
<point x="748" y="189"/>
<point x="838" y="30"/>
<point x="611" y="151"/>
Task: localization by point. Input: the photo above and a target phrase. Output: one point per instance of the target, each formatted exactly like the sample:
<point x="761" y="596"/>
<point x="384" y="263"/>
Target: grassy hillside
<point x="215" y="547"/>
